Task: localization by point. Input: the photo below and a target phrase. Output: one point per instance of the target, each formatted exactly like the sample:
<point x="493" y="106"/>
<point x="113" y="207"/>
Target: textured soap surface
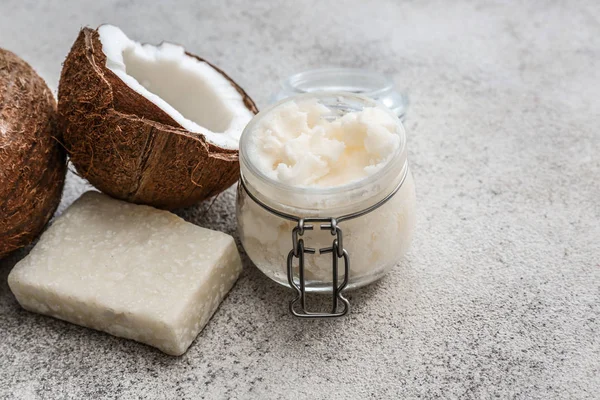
<point x="130" y="270"/>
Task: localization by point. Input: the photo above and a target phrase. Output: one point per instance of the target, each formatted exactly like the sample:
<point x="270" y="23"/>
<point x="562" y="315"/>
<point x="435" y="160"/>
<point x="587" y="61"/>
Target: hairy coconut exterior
<point x="129" y="148"/>
<point x="32" y="163"/>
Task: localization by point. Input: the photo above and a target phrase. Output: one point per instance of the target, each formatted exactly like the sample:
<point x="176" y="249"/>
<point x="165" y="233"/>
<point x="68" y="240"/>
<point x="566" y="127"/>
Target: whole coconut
<point x="32" y="163"/>
<point x="126" y="114"/>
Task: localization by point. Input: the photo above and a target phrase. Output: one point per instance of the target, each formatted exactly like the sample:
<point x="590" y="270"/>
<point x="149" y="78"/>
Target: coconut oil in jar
<point x="325" y="155"/>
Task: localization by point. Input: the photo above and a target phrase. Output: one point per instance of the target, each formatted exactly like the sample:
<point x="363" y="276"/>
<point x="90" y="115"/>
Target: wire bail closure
<point x="340" y="305"/>
<point x="337" y="250"/>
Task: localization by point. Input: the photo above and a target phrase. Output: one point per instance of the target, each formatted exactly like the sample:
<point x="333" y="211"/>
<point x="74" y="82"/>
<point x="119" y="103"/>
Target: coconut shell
<point x="32" y="163"/>
<point x="128" y="147"/>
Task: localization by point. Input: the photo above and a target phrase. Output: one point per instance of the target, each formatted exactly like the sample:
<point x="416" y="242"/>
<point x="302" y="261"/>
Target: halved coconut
<point x="32" y="162"/>
<point x="150" y="124"/>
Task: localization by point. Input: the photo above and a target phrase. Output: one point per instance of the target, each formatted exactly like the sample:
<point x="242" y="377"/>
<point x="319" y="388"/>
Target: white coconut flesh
<point x="193" y="93"/>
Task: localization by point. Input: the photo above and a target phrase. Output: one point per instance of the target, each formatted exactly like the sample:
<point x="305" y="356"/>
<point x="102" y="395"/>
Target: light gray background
<point x="500" y="295"/>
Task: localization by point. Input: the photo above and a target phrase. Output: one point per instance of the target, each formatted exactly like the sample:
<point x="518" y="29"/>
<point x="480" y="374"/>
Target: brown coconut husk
<point x="32" y="163"/>
<point x="128" y="147"/>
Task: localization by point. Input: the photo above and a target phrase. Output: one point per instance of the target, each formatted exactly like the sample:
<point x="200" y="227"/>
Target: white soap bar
<point x="132" y="271"/>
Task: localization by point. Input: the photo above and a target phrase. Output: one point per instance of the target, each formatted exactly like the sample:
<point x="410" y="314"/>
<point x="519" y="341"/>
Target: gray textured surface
<point x="500" y="296"/>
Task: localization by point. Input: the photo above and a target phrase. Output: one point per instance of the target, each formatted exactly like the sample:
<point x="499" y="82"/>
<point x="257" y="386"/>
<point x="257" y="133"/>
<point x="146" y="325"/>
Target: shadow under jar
<point x="363" y="225"/>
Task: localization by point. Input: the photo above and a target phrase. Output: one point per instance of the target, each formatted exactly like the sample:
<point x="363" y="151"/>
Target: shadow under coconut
<point x="7" y="300"/>
<point x="217" y="213"/>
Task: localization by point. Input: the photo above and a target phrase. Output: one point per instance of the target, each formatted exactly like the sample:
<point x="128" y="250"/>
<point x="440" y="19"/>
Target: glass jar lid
<point x="367" y="83"/>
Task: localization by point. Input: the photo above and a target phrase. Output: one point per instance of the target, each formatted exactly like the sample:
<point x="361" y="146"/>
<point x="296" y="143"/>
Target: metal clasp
<point x="340" y="305"/>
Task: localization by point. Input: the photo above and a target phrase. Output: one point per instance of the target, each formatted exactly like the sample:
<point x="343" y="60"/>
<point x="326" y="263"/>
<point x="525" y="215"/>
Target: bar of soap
<point x="130" y="270"/>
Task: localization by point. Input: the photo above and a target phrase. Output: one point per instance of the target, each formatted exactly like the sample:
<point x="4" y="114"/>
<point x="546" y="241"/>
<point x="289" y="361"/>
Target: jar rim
<point x="377" y="84"/>
<point x="324" y="191"/>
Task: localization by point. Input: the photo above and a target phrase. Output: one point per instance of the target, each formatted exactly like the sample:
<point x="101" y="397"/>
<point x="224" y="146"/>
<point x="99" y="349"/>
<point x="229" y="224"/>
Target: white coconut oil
<point x="326" y="155"/>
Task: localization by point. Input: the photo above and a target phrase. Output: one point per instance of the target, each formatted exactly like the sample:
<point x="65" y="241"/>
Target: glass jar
<point x="374" y="240"/>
